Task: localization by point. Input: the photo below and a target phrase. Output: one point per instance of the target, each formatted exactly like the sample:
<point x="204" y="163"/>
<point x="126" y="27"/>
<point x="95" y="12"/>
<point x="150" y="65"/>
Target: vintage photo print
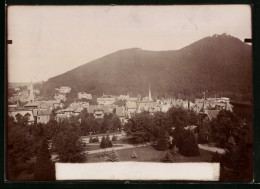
<point x="129" y="93"/>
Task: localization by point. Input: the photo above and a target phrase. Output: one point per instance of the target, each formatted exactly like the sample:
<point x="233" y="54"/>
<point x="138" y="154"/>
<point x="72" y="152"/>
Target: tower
<point x="31" y="96"/>
<point x="150" y="95"/>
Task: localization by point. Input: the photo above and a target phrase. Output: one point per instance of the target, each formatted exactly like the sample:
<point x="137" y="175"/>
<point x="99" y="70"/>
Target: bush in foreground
<point x="113" y="156"/>
<point x="167" y="158"/>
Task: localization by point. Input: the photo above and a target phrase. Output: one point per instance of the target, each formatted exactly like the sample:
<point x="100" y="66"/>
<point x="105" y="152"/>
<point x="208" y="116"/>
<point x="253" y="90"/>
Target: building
<point x="84" y="95"/>
<point x="30" y="113"/>
<point x="150" y="107"/>
<point x="64" y="89"/>
<point x="130" y="108"/>
<point x="120" y="112"/>
<point x="99" y="113"/>
<point x="79" y="105"/>
<point x="106" y="100"/>
<point x="60" y="96"/>
<point x="99" y="110"/>
<point x="212" y="104"/>
<point x="43" y="116"/>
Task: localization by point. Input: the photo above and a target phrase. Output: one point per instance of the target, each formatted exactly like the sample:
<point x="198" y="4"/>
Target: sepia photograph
<point x="129" y="93"/>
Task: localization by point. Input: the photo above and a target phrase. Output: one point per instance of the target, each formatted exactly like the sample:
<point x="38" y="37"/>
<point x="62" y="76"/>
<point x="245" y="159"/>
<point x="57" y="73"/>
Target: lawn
<point x="149" y="154"/>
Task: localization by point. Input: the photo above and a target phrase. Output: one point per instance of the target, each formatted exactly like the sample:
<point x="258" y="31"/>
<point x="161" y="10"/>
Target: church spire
<point x="150" y="95"/>
<point x="31" y="96"/>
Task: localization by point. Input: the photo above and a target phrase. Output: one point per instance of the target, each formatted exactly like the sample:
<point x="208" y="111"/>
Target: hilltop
<point x="221" y="64"/>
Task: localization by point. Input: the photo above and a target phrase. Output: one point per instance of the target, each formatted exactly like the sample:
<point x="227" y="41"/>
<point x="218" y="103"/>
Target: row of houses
<point x="36" y="112"/>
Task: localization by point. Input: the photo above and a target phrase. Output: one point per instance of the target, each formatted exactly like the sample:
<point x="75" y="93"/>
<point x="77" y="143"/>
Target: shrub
<point x="90" y="139"/>
<point x="110" y="144"/>
<point x="103" y="143"/>
<point x="112" y="157"/>
<point x="187" y="144"/>
<point x="114" y="138"/>
<point x="162" y="144"/>
<point x="203" y="136"/>
<point x="167" y="158"/>
<point x="134" y="155"/>
<point x="95" y="140"/>
<point x="107" y="139"/>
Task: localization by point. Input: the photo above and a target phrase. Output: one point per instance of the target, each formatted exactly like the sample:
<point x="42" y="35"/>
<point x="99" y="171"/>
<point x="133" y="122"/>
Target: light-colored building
<point x="43" y="116"/>
<point x="60" y="96"/>
<point x="30" y="113"/>
<point x="84" y="95"/>
<point x="79" y="105"/>
<point x="130" y="109"/>
<point x="120" y="112"/>
<point x="106" y="100"/>
<point x="64" y="89"/>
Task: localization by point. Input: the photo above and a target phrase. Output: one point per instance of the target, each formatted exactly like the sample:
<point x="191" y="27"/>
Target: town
<point x="120" y="128"/>
<point x="123" y="106"/>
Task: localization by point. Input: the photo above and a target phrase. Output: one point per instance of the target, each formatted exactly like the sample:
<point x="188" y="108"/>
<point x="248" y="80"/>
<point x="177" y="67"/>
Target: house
<point x="30" y="113"/>
<point x="34" y="105"/>
<point x="106" y="100"/>
<point x="123" y="97"/>
<point x="43" y="116"/>
<point x="150" y="107"/>
<point x="212" y="114"/>
<point x="64" y="89"/>
<point x="79" y="105"/>
<point x="77" y="111"/>
<point x="130" y="108"/>
<point x="99" y="110"/>
<point x="99" y="113"/>
<point x="60" y="96"/>
<point x="84" y="95"/>
<point x="120" y="112"/>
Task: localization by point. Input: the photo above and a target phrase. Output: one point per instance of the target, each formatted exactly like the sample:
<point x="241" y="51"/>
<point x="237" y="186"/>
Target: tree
<point x="112" y="157"/>
<point x="103" y="143"/>
<point x="228" y="124"/>
<point x="69" y="147"/>
<point x="116" y="123"/>
<point x="44" y="169"/>
<point x="187" y="144"/>
<point x="110" y="144"/>
<point x="140" y="126"/>
<point x="162" y="142"/>
<point x="120" y="103"/>
<point x="20" y="146"/>
<point x="114" y="138"/>
<point x="167" y="158"/>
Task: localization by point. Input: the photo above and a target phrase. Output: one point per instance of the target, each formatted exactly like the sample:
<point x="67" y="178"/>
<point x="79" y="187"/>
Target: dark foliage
<point x="113" y="156"/>
<point x="44" y="169"/>
<point x="162" y="144"/>
<point x="167" y="158"/>
<point x="187" y="144"/>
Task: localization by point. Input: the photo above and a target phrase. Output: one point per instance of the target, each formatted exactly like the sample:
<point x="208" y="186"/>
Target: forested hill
<point x="221" y="63"/>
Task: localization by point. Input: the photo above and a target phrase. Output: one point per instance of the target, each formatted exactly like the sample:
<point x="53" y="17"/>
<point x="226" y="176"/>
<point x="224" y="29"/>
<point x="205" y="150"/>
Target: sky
<point x="51" y="40"/>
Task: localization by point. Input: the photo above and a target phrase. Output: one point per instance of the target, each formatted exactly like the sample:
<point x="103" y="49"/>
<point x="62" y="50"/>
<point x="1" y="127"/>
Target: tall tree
<point x="44" y="169"/>
<point x="228" y="124"/>
<point x="69" y="147"/>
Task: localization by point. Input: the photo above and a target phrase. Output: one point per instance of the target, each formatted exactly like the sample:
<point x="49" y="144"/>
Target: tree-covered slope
<point x="221" y="63"/>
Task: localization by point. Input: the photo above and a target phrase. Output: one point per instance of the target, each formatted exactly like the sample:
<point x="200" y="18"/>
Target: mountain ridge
<point x="217" y="63"/>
